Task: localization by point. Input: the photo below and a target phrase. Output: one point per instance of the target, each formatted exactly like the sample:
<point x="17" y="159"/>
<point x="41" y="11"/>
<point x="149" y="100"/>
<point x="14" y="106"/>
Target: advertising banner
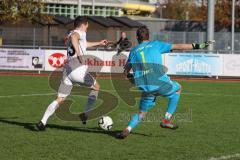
<point x="97" y="61"/>
<point x="21" y="59"/>
<point x="106" y="62"/>
<point x="194" y="64"/>
<point x="231" y="65"/>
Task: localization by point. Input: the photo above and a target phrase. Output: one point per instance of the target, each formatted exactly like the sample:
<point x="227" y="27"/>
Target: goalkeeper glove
<point x="202" y="45"/>
<point x="130" y="77"/>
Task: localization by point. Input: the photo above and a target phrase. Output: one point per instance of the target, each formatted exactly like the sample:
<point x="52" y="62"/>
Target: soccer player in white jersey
<point x="74" y="71"/>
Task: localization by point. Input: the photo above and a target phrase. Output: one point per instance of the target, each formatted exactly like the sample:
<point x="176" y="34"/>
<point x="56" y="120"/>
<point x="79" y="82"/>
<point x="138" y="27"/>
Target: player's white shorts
<point x="74" y="72"/>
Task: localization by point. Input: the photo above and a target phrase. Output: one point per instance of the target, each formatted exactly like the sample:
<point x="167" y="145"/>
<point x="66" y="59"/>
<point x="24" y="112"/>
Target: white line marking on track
<point x="27" y="95"/>
<point x="211" y="94"/>
<point x="49" y="94"/>
<point x="225" y="157"/>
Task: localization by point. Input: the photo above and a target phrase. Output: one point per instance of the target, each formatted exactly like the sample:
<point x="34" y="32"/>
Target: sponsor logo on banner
<point x="105" y="61"/>
<point x="57" y="60"/>
<point x="194" y="64"/>
<point x="97" y="61"/>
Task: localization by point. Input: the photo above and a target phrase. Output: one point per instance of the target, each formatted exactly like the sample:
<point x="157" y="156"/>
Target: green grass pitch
<point x="208" y="116"/>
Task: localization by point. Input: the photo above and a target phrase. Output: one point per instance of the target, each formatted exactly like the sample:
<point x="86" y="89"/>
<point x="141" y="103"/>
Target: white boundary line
<point x="28" y="95"/>
<point x="211" y="94"/>
<point x="49" y="94"/>
<point x="225" y="157"/>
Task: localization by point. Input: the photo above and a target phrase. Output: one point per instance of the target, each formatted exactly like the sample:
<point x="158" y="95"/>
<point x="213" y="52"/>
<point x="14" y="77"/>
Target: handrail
<point x="44" y="47"/>
<point x="102" y="48"/>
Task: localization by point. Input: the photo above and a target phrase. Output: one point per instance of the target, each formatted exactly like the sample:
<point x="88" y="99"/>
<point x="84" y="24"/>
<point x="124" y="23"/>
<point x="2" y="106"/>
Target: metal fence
<point x="22" y="36"/>
<point x="100" y="48"/>
<point x="223" y="39"/>
<point x="39" y="37"/>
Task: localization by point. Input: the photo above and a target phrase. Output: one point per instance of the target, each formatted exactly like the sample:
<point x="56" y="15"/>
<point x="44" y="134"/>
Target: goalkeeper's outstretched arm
<point x="192" y="46"/>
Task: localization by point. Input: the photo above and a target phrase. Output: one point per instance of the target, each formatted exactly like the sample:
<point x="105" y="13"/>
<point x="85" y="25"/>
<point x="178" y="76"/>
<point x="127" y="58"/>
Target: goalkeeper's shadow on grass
<point x="31" y="127"/>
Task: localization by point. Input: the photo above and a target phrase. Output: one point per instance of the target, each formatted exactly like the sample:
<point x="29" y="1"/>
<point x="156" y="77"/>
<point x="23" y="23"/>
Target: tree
<point x="174" y="9"/>
<point x="223" y="13"/>
<point x="197" y="10"/>
<point x="15" y="10"/>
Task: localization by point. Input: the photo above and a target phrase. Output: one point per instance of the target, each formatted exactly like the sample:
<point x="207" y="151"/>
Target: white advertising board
<point x="21" y="59"/>
<point x="97" y="61"/>
<point x="231" y="65"/>
<point x="194" y="64"/>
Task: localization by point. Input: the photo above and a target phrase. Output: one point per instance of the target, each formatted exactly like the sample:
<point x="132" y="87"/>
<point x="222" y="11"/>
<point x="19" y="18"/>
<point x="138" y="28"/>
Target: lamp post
<point x="93" y="7"/>
<point x="210" y="22"/>
<point x="233" y="25"/>
<point x="161" y="9"/>
<point x="158" y="6"/>
<point x="79" y="7"/>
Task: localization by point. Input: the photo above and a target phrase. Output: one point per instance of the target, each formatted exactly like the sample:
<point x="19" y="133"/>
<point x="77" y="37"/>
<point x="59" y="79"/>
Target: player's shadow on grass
<point x="31" y="127"/>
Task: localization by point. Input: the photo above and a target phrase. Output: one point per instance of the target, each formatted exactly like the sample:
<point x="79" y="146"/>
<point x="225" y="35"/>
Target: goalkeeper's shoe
<point x="168" y="124"/>
<point x="83" y="117"/>
<point x="123" y="134"/>
<point x="40" y="126"/>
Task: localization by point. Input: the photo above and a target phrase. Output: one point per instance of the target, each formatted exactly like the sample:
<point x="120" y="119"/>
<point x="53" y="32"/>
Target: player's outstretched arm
<point x="192" y="46"/>
<point x="101" y="43"/>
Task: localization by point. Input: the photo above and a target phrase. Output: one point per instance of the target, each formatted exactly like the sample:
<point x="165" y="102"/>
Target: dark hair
<point x="80" y="20"/>
<point x="142" y="34"/>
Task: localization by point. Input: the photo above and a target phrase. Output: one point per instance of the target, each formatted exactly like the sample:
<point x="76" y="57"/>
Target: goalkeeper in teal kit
<point x="145" y="60"/>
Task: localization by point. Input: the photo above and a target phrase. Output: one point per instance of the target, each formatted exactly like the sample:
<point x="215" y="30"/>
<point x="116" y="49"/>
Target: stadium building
<point x="107" y="19"/>
<point x="72" y="8"/>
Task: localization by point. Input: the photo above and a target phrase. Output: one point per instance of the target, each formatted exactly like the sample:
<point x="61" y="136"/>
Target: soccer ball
<point x="105" y="123"/>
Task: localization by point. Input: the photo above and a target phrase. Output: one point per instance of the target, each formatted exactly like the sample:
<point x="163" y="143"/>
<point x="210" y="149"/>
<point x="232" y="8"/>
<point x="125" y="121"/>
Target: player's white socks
<point x="92" y="97"/>
<point x="129" y="128"/>
<point x="168" y="116"/>
<point x="49" y="111"/>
